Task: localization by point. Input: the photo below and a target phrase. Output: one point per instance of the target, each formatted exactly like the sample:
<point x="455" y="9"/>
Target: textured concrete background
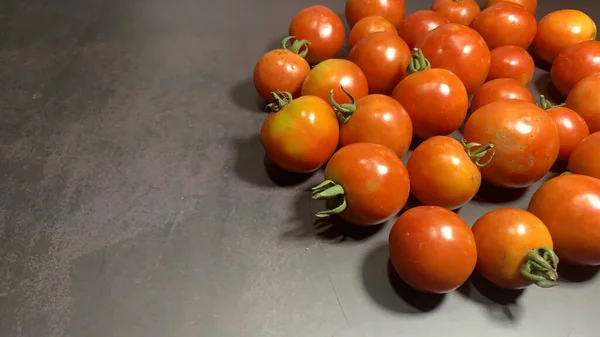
<point x="135" y="202"/>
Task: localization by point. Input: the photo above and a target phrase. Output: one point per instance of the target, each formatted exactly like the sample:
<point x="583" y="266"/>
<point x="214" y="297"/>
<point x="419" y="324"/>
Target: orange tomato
<point x="585" y="158"/>
<point x="506" y="24"/>
<point x="500" y="89"/>
<point x="582" y="99"/>
<point x="391" y="10"/>
<point x="574" y="64"/>
<point x="322" y="28"/>
<point x="462" y="12"/>
<point x="530" y="5"/>
<point x="511" y="62"/>
<point x="418" y="24"/>
<point x="369" y="25"/>
<point x="571" y="127"/>
<point x="332" y="74"/>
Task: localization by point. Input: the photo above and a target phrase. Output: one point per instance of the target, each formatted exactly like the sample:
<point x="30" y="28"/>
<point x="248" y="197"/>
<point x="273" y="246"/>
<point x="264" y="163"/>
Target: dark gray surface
<point x="134" y="201"/>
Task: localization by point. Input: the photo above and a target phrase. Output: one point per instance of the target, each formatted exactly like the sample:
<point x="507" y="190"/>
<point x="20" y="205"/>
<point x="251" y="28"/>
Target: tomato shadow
<point x="245" y="97"/>
<point x="492" y="194"/>
<point x="539" y="63"/>
<point x="577" y="274"/>
<point x="559" y="167"/>
<point x="545" y="87"/>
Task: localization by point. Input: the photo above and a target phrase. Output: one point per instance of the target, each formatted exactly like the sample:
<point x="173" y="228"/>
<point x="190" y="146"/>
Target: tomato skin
<point x="500" y="89"/>
<point x="530" y="5"/>
<point x="432" y="249"/>
<point x="506" y="24"/>
<point x="378" y="119"/>
<point x="585" y="157"/>
<point x="418" y="24"/>
<point x="568" y="205"/>
<point x="504" y="236"/>
<point x="459" y="49"/>
<point x="302" y="136"/>
<point x="369" y="25"/>
<point x="462" y="12"/>
<point x="525" y="142"/>
<point x="571" y="127"/>
<point x="383" y="58"/>
<point x="322" y="28"/>
<point x="574" y="64"/>
<point x="582" y="99"/>
<point x="391" y="10"/>
<point x="331" y="74"/>
<point x="511" y="62"/>
<point x="560" y="29"/>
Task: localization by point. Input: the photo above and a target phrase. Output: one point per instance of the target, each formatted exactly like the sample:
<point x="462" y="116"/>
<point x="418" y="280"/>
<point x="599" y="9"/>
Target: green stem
<point x="296" y="46"/>
<point x="280" y="100"/>
<point x="344" y="111"/>
<point x="329" y="190"/>
<point x="418" y="62"/>
<point x="478" y="154"/>
<point x="546" y="105"/>
<point x="540" y="267"/>
<point x="566" y="173"/>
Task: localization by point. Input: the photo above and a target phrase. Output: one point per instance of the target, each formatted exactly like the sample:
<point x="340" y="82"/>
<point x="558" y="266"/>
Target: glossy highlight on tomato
<point x="322" y="28"/>
<point x="583" y="98"/>
<point x="530" y="5"/>
<point x="391" y="10"/>
<point x="500" y="89"/>
<point x="462" y="12"/>
<point x="511" y="62"/>
<point x="506" y="24"/>
<point x="369" y="25"/>
<point x="333" y="74"/>
<point x="571" y="127"/>
<point x="574" y="64"/>
<point x="585" y="157"/>
<point x="418" y="24"/>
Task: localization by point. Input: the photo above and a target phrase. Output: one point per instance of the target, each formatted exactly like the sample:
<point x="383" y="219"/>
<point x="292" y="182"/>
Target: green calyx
<point x="566" y="173"/>
<point x="344" y="111"/>
<point x="280" y="100"/>
<point x="296" y="46"/>
<point x="477" y="154"/>
<point x="418" y="62"/>
<point x="329" y="190"/>
<point x="546" y="105"/>
<point x="540" y="267"/>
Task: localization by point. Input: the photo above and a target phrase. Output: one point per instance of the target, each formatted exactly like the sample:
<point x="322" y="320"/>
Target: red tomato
<point x="322" y="28"/>
<point x="432" y="249"/>
<point x="435" y="99"/>
<point x="506" y="24"/>
<point x="444" y="172"/>
<point x="377" y="119"/>
<point x="500" y="89"/>
<point x="383" y="58"/>
<point x="302" y="135"/>
<point x="391" y="10"/>
<point x="418" y="24"/>
<point x="525" y="141"/>
<point x="572" y="128"/>
<point x="510" y="244"/>
<point x="585" y="158"/>
<point x="370" y="25"/>
<point x="574" y="64"/>
<point x="530" y="5"/>
<point x="583" y="99"/>
<point x="332" y="74"/>
<point x="560" y="29"/>
<point x="457" y="11"/>
<point x="569" y="205"/>
<point x="511" y="62"/>
<point x="459" y="49"/>
<point x="371" y="181"/>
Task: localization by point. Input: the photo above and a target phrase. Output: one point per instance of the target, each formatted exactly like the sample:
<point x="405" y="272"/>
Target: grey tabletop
<point x="135" y="200"/>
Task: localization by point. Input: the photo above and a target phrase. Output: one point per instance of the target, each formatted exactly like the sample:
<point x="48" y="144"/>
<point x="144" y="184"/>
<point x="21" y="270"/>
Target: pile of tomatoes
<point x="408" y="79"/>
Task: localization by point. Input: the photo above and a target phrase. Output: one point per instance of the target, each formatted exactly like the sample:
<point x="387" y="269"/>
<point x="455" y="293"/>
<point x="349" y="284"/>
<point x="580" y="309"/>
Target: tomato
<point x="525" y="142"/>
<point x="332" y="74"/>
<point x="583" y="99"/>
<point x="322" y="28"/>
<point x="511" y="62"/>
<point x="435" y="99"/>
<point x="301" y="135"/>
<point x="418" y="24"/>
<point x="457" y="11"/>
<point x="500" y="89"/>
<point x="444" y="172"/>
<point x="569" y="206"/>
<point x="506" y="24"/>
<point x="585" y="157"/>
<point x="383" y="58"/>
<point x="560" y="29"/>
<point x="371" y="181"/>
<point x="530" y="5"/>
<point x="377" y="119"/>
<point x="514" y="249"/>
<point x="391" y="10"/>
<point x="459" y="49"/>
<point x="432" y="249"/>
<point x="574" y="64"/>
<point x="370" y="25"/>
<point x="571" y="127"/>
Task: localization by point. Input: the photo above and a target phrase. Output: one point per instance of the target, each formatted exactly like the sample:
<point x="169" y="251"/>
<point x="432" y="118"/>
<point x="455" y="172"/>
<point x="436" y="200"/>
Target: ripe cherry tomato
<point x="525" y="141"/>
<point x="530" y="5"/>
<point x="383" y="58"/>
<point x="514" y="249"/>
<point x="375" y="119"/>
<point x="301" y="135"/>
<point x="432" y="249"/>
<point x="332" y="74"/>
<point x="571" y="127"/>
<point x="322" y="28"/>
<point x="459" y="49"/>
<point x="574" y="64"/>
<point x="568" y="205"/>
<point x="560" y="29"/>
<point x="444" y="172"/>
<point x="500" y="89"/>
<point x="583" y="99"/>
<point x="506" y="24"/>
<point x="457" y="11"/>
<point x="371" y="181"/>
<point x="435" y="99"/>
<point x="585" y="158"/>
<point x="370" y="25"/>
<point x="418" y="24"/>
<point x="391" y="10"/>
<point x="511" y="62"/>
